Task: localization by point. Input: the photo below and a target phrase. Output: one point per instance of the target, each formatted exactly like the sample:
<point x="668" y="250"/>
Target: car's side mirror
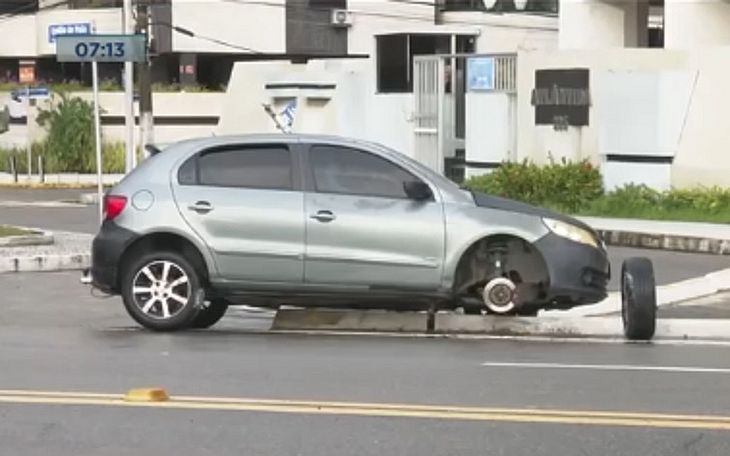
<point x="417" y="190"/>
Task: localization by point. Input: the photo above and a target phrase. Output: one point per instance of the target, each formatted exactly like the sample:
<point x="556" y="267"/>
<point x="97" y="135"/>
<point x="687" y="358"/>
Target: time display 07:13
<point x="94" y="49"/>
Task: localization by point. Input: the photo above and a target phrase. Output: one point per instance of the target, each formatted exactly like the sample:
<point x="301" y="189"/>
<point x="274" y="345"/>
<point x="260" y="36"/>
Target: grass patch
<point x="653" y="213"/>
<point x="6" y="231"/>
<point x="576" y="188"/>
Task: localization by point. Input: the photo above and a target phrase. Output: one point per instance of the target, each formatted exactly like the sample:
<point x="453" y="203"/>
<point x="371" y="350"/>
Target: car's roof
<point x="273" y="137"/>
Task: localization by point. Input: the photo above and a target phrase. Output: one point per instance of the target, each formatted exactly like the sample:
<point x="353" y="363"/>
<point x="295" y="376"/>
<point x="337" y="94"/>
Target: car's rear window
<point x="264" y="167"/>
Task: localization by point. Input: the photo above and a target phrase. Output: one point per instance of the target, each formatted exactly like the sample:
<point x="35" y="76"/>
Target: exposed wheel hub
<point x="499" y="295"/>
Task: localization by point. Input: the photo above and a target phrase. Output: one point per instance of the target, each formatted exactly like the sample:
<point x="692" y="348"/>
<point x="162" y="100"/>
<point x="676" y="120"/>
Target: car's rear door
<point x="362" y="229"/>
<point x="245" y="202"/>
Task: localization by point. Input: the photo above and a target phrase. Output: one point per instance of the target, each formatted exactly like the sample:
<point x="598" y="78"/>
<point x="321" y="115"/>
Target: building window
<point x="503" y="6"/>
<point x="395" y="58"/>
<point x="89" y="4"/>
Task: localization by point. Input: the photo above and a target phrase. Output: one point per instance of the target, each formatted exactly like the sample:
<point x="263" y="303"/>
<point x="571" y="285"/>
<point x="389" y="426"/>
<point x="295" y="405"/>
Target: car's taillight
<point x="113" y="206"/>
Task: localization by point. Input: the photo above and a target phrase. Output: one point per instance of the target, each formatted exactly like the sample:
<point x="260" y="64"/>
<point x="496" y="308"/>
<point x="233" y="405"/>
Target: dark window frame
<point x="311" y="182"/>
<point x="294" y="166"/>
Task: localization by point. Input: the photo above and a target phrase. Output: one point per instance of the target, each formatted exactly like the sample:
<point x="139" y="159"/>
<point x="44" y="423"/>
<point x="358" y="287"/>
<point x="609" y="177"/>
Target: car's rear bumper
<point x="579" y="273"/>
<point x="106" y="252"/>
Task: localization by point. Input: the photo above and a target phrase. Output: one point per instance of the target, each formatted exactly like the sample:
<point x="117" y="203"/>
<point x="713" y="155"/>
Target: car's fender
<point x="466" y="225"/>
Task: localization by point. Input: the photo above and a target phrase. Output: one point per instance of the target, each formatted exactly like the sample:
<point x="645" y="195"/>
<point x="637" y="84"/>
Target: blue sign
<point x="56" y="30"/>
<point x="101" y="48"/>
<point x="480" y="73"/>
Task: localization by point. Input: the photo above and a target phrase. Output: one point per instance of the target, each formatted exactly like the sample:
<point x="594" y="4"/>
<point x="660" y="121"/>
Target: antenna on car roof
<point x="153" y="150"/>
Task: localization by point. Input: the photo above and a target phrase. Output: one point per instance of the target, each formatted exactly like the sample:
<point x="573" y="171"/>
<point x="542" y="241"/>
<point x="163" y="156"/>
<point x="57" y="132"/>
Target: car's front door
<point x="244" y="202"/>
<point x="362" y="229"/>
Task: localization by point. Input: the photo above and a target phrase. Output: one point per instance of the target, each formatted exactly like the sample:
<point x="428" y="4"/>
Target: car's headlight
<point x="571" y="232"/>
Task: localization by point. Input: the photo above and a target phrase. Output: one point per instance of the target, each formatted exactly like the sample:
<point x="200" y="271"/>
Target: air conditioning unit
<point x="341" y="18"/>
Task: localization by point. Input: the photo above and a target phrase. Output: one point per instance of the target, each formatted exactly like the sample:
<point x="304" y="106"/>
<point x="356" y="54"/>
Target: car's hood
<point x="504" y="204"/>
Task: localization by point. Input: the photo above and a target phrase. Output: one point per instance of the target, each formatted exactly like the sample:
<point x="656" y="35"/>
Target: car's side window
<point x="262" y="167"/>
<point x="344" y="170"/>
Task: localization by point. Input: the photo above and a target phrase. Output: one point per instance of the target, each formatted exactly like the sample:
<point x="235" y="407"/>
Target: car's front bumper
<point x="579" y="273"/>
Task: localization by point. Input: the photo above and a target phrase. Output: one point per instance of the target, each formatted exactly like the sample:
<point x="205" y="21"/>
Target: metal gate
<point x="428" y="91"/>
<point x="439" y="113"/>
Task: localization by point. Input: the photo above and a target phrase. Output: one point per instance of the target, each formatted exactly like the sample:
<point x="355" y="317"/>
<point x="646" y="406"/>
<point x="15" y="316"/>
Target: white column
<point x="696" y="23"/>
<point x="636" y="23"/>
<point x="592" y="24"/>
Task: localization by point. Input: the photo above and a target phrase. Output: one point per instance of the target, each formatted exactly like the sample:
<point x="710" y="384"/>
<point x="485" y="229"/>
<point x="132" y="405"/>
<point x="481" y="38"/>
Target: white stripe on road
<point x="612" y="367"/>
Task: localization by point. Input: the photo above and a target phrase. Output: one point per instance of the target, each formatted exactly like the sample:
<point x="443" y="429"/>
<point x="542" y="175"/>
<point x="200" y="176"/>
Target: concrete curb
<point x="24" y="240"/>
<point x="45" y="263"/>
<point x="349" y="320"/>
<point x="673" y="293"/>
<point x="675" y="243"/>
<point x="457" y="324"/>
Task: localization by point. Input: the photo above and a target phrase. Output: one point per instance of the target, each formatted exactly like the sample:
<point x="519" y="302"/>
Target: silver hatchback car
<point x="328" y="222"/>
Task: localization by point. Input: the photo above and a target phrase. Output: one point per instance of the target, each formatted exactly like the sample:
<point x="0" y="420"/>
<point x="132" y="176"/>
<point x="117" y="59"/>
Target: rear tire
<point x="638" y="299"/>
<point x="162" y="291"/>
<point x="211" y="314"/>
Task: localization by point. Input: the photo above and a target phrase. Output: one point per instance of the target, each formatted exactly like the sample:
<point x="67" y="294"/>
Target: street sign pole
<point x="97" y="131"/>
<point x="131" y="161"/>
<point x="27" y="133"/>
<point x="95" y="49"/>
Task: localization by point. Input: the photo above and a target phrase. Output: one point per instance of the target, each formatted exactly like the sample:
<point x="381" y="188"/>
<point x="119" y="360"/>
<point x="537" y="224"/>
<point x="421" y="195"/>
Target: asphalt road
<point x="55" y="337"/>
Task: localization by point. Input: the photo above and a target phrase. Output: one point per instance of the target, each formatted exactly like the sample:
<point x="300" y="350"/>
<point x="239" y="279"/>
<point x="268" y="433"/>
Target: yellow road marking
<point x="596" y="418"/>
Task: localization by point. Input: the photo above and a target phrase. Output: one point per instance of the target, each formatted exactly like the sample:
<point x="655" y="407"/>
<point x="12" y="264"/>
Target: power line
<point x="190" y="33"/>
<point x="416" y="18"/>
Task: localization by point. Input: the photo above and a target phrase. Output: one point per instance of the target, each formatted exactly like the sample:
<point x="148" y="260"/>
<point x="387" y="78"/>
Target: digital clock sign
<point x="101" y="48"/>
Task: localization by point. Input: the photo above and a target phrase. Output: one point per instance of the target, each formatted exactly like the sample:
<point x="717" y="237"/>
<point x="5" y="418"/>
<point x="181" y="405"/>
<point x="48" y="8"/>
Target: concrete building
<point x="655" y="75"/>
<point x="350" y="63"/>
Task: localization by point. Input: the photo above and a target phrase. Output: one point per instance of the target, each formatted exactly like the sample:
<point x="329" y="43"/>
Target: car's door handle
<point x="323" y="216"/>
<point x="201" y="207"/>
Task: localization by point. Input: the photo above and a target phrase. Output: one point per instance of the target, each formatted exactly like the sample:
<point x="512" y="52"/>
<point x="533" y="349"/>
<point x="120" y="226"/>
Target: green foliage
<point x="113" y="160"/>
<point x="576" y="188"/>
<point x="565" y="186"/>
<point x="638" y="201"/>
<point x="70" y="141"/>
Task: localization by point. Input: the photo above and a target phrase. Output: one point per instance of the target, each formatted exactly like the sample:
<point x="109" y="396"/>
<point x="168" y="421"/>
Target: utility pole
<point x="146" y="119"/>
<point x="128" y="28"/>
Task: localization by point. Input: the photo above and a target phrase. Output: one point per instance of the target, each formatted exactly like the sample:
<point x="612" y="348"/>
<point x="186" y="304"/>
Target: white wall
<point x="539" y="142"/>
<point x="701" y="144"/>
<point x="353" y="109"/>
<point x="103" y="20"/>
<point x="256" y="26"/>
<point x="165" y="105"/>
<point x="507" y="32"/>
<point x="598" y="24"/>
<point x="703" y="156"/>
<point x="489" y="127"/>
<point x="27" y="35"/>
<point x="18" y="38"/>
<point x="591" y="24"/>
<point x="696" y="23"/>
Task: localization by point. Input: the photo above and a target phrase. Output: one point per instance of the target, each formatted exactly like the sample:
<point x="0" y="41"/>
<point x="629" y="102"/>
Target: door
<point x="244" y="202"/>
<point x="362" y="229"/>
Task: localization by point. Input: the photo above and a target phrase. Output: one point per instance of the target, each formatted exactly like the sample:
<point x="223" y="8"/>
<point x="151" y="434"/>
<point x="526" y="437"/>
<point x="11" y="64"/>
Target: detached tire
<point x="211" y="314"/>
<point x="638" y="299"/>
